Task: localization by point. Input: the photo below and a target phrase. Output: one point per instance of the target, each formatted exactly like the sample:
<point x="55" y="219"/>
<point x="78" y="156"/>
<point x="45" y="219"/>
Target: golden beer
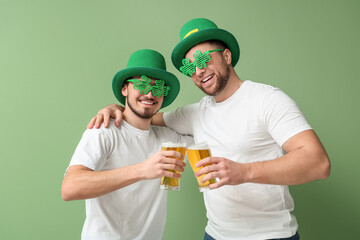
<point x="169" y="183"/>
<point x="195" y="154"/>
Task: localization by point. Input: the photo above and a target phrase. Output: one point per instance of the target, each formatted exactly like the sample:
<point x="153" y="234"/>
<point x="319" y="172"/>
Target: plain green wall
<point x="57" y="60"/>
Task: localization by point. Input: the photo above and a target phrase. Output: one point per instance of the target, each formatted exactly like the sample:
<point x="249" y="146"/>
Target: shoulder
<point x="109" y="131"/>
<point x="165" y="133"/>
<point x="262" y="92"/>
<point x="162" y="131"/>
<point x="256" y="87"/>
<point x="187" y="111"/>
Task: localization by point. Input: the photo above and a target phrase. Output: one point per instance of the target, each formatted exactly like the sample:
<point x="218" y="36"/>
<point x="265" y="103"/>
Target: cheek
<point x="195" y="81"/>
<point x="133" y="94"/>
<point x="161" y="99"/>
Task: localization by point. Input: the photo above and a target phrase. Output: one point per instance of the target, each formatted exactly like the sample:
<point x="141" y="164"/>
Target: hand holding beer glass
<point x="169" y="183"/>
<point x="195" y="153"/>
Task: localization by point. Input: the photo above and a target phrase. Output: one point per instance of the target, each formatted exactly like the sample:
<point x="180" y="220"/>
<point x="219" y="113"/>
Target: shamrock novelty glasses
<point x="188" y="68"/>
<point x="144" y="87"/>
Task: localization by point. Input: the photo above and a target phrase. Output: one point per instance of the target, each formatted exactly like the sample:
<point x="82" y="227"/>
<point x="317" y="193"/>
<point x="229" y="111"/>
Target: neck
<point x="231" y="87"/>
<point x="135" y="121"/>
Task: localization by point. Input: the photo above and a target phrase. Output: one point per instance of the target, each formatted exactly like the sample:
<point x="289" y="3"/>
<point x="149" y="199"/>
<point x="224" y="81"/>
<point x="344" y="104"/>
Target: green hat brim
<point x="169" y="78"/>
<point x="190" y="41"/>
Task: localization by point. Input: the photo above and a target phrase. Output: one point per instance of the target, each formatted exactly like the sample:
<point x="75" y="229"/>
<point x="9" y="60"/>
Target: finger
<point x="216" y="185"/>
<point x="106" y="119"/>
<point x="171" y="174"/>
<point x="175" y="161"/>
<point x="206" y="161"/>
<point x="204" y="170"/>
<point x="118" y="118"/>
<point x="174" y="167"/>
<point x="207" y="177"/>
<point x="207" y="169"/>
<point x="91" y="123"/>
<point x="99" y="120"/>
<point x="173" y="154"/>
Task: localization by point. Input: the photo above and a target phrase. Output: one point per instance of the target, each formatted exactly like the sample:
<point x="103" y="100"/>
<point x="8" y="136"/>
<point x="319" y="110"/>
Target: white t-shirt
<point x="137" y="211"/>
<point x="250" y="126"/>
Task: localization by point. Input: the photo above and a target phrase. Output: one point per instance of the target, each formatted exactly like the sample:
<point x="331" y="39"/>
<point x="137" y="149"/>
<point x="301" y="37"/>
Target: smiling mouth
<point x="147" y="102"/>
<point x="207" y="78"/>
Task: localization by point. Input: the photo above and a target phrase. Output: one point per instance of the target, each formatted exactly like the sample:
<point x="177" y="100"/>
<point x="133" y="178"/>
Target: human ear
<point x="227" y="56"/>
<point x="124" y="90"/>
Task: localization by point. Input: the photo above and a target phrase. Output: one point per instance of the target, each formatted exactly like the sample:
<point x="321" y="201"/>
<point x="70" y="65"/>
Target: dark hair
<point x="218" y="43"/>
<point x="126" y="83"/>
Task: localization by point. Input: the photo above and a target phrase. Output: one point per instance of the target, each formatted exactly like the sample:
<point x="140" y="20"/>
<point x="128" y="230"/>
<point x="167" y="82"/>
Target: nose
<point x="199" y="71"/>
<point x="149" y="94"/>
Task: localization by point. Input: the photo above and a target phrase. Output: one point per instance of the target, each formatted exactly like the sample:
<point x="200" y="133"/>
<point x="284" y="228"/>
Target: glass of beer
<point x="195" y="153"/>
<point x="169" y="183"/>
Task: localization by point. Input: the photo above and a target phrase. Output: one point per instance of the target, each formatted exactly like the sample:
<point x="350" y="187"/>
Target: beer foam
<point x="173" y="144"/>
<point x="199" y="146"/>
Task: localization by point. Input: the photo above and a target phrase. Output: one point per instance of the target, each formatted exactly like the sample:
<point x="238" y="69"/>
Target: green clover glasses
<point x="188" y="68"/>
<point x="144" y="87"/>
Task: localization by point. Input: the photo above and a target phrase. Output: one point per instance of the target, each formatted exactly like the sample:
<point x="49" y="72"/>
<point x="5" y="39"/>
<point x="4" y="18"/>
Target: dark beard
<point x="222" y="81"/>
<point x="146" y="115"/>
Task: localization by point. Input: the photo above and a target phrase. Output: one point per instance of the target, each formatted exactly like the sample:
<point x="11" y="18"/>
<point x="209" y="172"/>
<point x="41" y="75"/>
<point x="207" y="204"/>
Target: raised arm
<point x="81" y="182"/>
<point x="104" y="115"/>
<point x="116" y="112"/>
<point x="306" y="160"/>
<point x="158" y="119"/>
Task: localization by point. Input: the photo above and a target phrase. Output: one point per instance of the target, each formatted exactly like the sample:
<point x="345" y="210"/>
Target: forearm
<point x="296" y="167"/>
<point x="82" y="183"/>
<point x="306" y="160"/>
<point x="158" y="120"/>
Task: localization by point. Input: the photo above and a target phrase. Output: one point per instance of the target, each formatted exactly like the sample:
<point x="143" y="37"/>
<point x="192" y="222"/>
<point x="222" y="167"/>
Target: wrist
<point x="140" y="172"/>
<point x="121" y="108"/>
<point x="249" y="173"/>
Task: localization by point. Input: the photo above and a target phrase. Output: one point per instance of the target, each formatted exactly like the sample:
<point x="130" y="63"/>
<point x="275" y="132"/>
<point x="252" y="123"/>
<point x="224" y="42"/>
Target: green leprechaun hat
<point x="199" y="30"/>
<point x="151" y="64"/>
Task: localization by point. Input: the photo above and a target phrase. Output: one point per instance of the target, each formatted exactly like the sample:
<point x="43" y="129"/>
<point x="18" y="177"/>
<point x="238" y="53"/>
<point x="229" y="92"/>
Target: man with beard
<point x="258" y="136"/>
<point x="118" y="170"/>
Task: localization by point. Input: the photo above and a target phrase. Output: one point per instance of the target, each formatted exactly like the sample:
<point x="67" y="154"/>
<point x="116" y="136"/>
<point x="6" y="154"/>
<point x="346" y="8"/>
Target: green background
<point x="57" y="60"/>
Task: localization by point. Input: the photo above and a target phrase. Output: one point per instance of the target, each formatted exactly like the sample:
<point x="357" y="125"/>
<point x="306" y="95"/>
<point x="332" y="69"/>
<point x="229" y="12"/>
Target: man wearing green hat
<point x="259" y="138"/>
<point x="118" y="170"/>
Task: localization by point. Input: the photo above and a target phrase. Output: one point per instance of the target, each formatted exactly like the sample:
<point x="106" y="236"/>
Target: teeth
<point x="206" y="79"/>
<point x="147" y="103"/>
